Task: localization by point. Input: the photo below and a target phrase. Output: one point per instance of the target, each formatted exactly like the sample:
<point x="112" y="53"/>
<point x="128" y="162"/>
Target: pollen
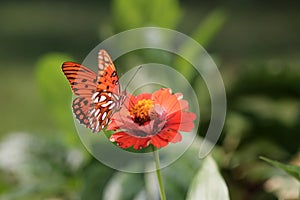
<point x="141" y="111"/>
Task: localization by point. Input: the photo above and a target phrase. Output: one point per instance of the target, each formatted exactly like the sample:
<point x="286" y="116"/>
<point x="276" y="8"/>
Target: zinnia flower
<point x="151" y="119"/>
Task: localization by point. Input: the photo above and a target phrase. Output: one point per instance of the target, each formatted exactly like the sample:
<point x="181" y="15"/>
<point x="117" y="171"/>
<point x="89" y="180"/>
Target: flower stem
<point x="158" y="174"/>
<point x="299" y="194"/>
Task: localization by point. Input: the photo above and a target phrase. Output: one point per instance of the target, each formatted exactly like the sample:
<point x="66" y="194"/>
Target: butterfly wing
<point x="83" y="82"/>
<point x="107" y="92"/>
<point x="98" y="94"/>
<point x="108" y="80"/>
<point x="81" y="108"/>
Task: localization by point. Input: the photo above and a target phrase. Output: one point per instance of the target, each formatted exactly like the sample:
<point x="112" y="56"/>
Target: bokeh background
<point x="255" y="44"/>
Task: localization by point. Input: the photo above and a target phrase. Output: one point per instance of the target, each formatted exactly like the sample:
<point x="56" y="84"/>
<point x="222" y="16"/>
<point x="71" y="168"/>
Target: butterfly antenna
<point x="138" y="69"/>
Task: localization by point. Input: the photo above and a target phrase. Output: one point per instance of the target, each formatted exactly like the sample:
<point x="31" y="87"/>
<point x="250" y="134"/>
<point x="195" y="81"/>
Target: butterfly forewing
<point x="108" y="80"/>
<point x="83" y="81"/>
<point x="107" y="88"/>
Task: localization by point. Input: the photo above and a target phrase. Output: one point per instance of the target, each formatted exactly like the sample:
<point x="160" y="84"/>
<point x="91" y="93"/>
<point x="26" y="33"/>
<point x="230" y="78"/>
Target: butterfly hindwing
<point x="81" y="108"/>
<point x="102" y="111"/>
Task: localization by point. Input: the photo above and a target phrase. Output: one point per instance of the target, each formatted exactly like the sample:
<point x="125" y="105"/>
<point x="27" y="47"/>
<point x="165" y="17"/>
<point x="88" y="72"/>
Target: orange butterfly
<point x="99" y="96"/>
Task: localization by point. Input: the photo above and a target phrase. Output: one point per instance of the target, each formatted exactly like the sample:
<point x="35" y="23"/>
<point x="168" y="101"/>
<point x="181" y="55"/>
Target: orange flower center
<point x="141" y="111"/>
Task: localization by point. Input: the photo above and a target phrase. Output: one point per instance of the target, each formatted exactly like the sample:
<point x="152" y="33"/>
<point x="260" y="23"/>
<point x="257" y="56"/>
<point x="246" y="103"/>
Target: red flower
<point x="151" y="119"/>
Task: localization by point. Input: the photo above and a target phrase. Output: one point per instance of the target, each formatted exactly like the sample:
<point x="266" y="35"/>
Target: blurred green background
<point x="255" y="44"/>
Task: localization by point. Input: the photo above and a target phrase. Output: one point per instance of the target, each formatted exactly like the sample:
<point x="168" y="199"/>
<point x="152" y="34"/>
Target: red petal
<point x="182" y="121"/>
<point x="123" y="140"/>
<point x="179" y="96"/>
<point x="177" y="138"/>
<point x="168" y="101"/>
<point x="132" y="100"/>
<point x="184" y="105"/>
<point x="167" y="134"/>
<point x="143" y="96"/>
<point x="112" y="126"/>
<point x="158" y="142"/>
<point x="142" y="143"/>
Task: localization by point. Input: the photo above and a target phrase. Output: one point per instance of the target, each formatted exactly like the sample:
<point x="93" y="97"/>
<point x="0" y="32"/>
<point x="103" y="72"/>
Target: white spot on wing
<point x="97" y="112"/>
<point x="104" y="115"/>
<point x="94" y="95"/>
<point x="100" y="66"/>
<point x="106" y="104"/>
<point x="106" y="121"/>
<point x="92" y="111"/>
<point x="100" y="56"/>
<point x="97" y="127"/>
<point x="96" y="100"/>
<point x="112" y="106"/>
<point x="102" y="98"/>
<point x="116" y="97"/>
<point x="106" y="59"/>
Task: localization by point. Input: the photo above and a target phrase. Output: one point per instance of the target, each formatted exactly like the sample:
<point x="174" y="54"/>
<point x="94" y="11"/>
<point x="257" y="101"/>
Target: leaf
<point x="55" y="91"/>
<point x="292" y="170"/>
<point x="203" y="34"/>
<point x="123" y="186"/>
<point x="138" y="13"/>
<point x="210" y="26"/>
<point x="95" y="173"/>
<point x="164" y="13"/>
<point x="208" y="183"/>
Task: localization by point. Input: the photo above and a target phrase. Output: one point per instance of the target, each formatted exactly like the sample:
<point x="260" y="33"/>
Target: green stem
<point x="158" y="174"/>
<point x="299" y="194"/>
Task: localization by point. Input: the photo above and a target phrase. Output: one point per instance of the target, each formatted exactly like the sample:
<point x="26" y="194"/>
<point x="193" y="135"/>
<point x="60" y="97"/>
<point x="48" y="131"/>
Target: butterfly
<point x="99" y="95"/>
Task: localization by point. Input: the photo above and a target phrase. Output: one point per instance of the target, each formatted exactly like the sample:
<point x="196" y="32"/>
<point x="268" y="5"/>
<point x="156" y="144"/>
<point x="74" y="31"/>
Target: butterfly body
<point x="99" y="95"/>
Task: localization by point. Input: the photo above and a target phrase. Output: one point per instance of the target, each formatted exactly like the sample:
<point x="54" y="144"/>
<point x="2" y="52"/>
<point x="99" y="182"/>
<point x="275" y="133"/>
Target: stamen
<point x="141" y="111"/>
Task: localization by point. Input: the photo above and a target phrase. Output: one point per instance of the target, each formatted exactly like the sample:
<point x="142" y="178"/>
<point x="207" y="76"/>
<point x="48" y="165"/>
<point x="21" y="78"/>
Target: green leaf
<point x="292" y="170"/>
<point x="137" y="13"/>
<point x="164" y="13"/>
<point x="123" y="186"/>
<point x="210" y="26"/>
<point x="203" y="34"/>
<point x="55" y="92"/>
<point x="98" y="175"/>
<point x="208" y="183"/>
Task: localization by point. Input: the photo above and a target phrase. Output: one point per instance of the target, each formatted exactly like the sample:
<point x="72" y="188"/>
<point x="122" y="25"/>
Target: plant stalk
<point x="158" y="174"/>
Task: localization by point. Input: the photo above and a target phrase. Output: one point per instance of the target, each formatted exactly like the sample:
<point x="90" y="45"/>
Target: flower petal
<point x="182" y="121"/>
<point x="132" y="100"/>
<point x="167" y="134"/>
<point x="143" y="96"/>
<point x="184" y="105"/>
<point x="177" y="138"/>
<point x="142" y="143"/>
<point x="158" y="142"/>
<point x="165" y="99"/>
<point x="123" y="140"/>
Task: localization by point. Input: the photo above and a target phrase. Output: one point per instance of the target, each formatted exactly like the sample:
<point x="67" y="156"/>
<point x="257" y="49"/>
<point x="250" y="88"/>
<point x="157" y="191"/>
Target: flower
<point x="151" y="119"/>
